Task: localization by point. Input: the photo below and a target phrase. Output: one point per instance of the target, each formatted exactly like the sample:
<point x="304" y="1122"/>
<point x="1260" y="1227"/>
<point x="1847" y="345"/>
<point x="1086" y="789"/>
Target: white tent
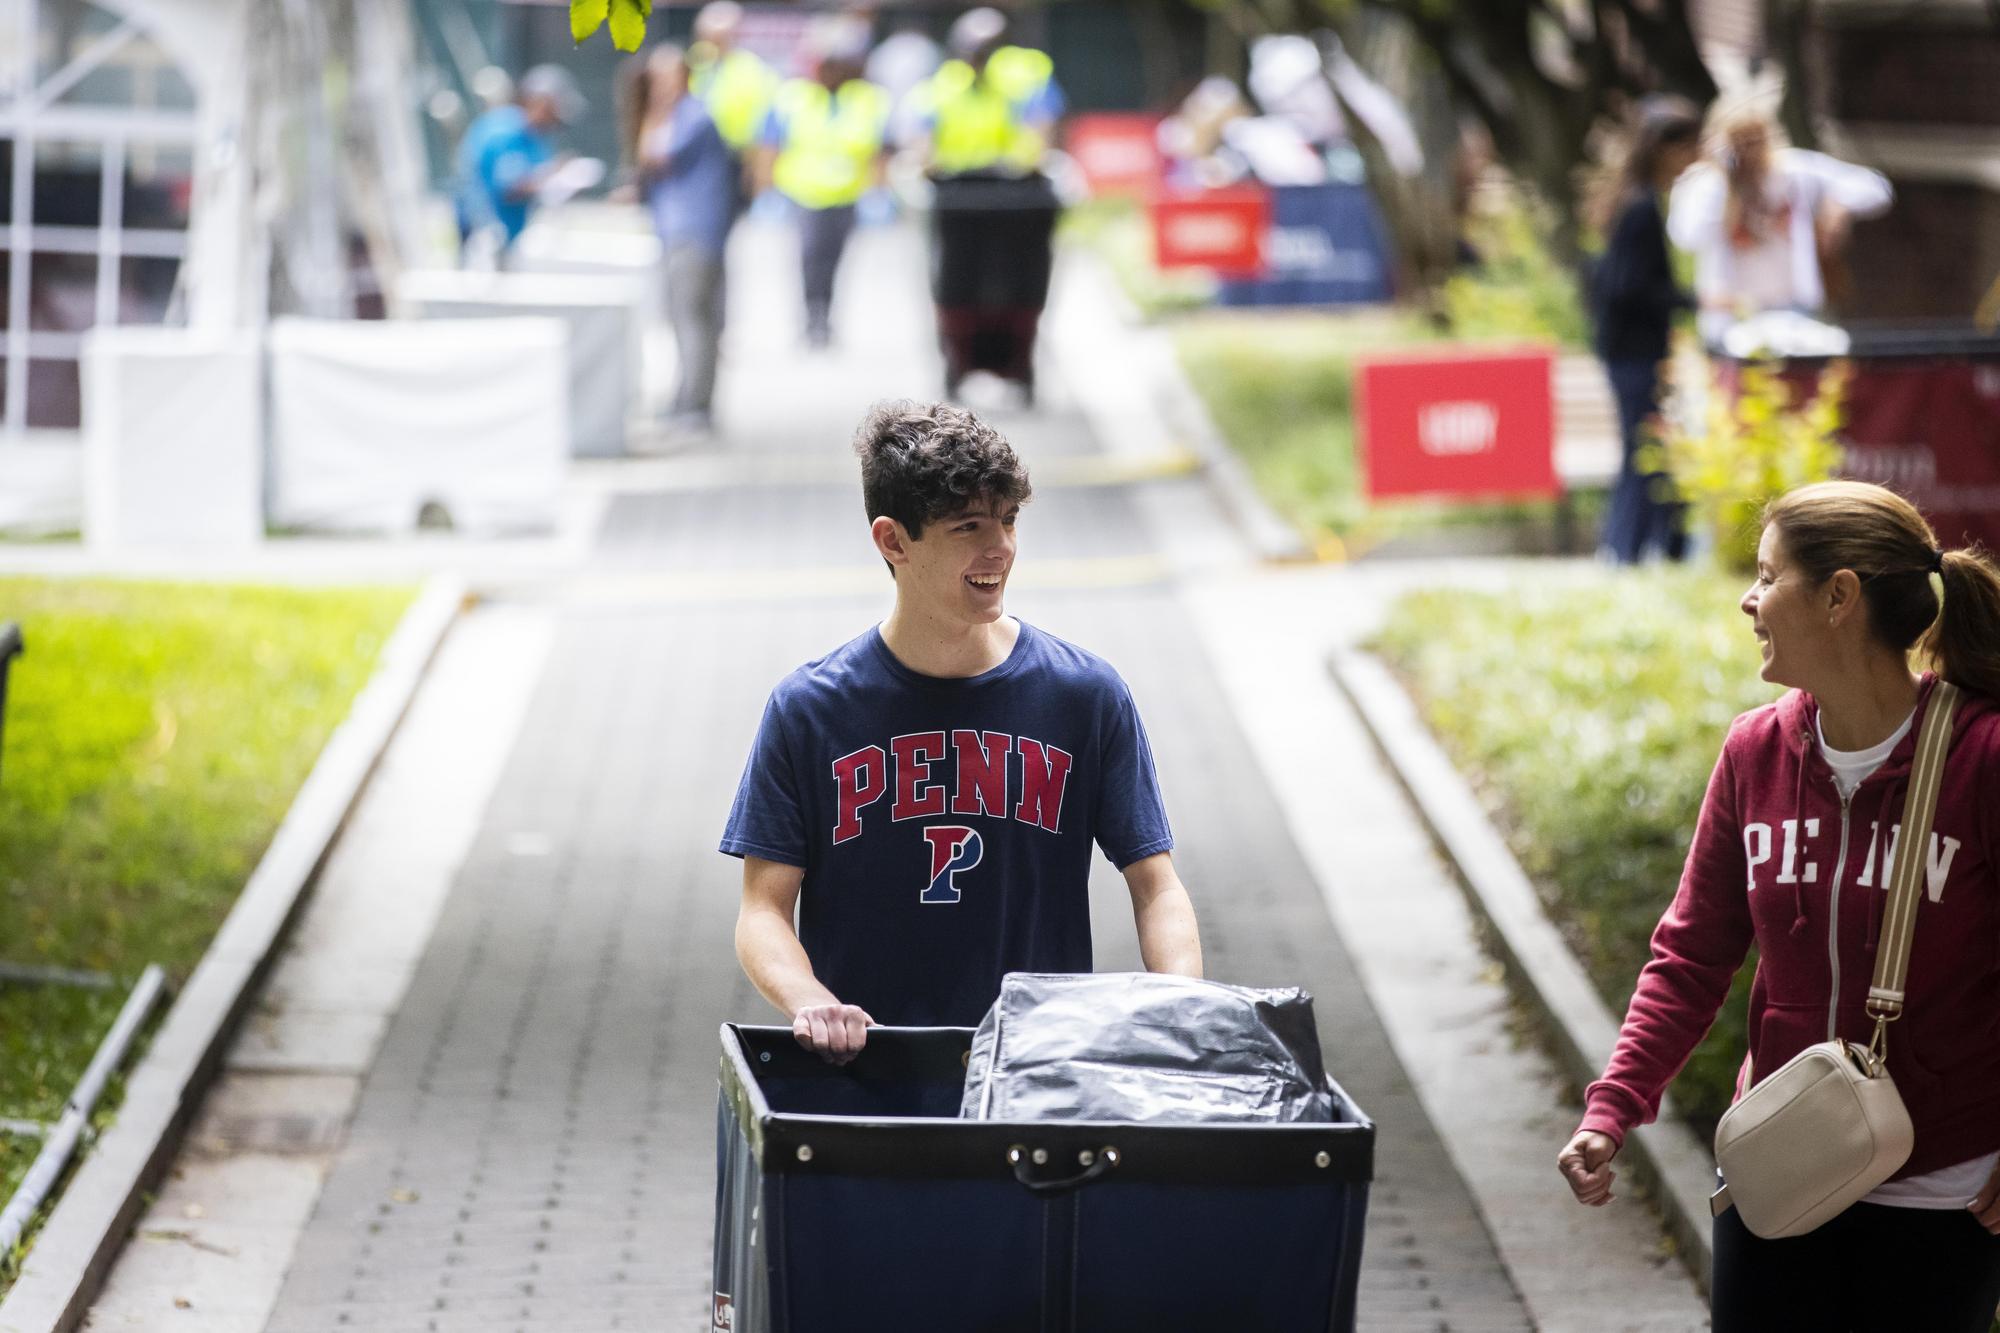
<point x="197" y="163"/>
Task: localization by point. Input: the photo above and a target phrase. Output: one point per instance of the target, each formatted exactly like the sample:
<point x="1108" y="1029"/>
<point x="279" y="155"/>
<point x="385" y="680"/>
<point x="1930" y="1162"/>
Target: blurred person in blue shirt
<point x="509" y="152"/>
<point x="687" y="177"/>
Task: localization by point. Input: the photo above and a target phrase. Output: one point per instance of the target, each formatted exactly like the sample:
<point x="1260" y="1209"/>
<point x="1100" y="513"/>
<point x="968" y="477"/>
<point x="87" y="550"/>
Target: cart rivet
<point x="1323" y="1158"/>
<point x="1014" y="1154"/>
<point x="764" y="1056"/>
<point x="1086" y="1157"/>
<point x="1040" y="1156"/>
<point x="805" y="1152"/>
<point x="1111" y="1156"/>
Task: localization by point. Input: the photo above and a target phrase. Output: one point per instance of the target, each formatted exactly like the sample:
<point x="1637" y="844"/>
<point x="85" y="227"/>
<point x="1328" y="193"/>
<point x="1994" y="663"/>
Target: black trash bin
<point x="10" y="648"/>
<point x="854" y="1198"/>
<point x="992" y="251"/>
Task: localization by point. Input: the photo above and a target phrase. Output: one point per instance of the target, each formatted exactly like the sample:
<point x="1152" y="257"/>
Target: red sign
<point x="1926" y="427"/>
<point x="1118" y="154"/>
<point x="1473" y="426"/>
<point x="1219" y="230"/>
<point x="1931" y="431"/>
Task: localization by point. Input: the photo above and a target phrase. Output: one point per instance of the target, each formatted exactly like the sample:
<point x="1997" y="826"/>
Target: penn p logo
<point x="953" y="848"/>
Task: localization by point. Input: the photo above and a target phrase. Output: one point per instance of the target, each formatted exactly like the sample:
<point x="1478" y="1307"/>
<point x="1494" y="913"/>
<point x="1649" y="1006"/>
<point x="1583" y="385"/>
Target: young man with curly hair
<point x="923" y="800"/>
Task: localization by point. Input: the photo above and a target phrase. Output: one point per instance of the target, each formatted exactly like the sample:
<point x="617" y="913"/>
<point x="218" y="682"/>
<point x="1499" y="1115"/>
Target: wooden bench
<point x="1588" y="448"/>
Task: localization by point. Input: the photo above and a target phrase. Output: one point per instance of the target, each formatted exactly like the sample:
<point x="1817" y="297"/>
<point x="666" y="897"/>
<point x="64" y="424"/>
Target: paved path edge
<point x="1666" y="1154"/>
<point x="1172" y="407"/>
<point x="82" y="1236"/>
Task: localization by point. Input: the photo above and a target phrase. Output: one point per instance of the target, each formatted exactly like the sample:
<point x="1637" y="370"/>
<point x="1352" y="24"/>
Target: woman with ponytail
<point x="1791" y="853"/>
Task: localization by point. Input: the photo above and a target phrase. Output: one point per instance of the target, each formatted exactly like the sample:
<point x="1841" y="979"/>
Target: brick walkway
<point x="533" y="1148"/>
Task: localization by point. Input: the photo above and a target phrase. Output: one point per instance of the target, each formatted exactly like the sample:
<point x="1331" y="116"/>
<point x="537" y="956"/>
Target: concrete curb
<point x="76" y="1248"/>
<point x="1187" y="419"/>
<point x="1665" y="1153"/>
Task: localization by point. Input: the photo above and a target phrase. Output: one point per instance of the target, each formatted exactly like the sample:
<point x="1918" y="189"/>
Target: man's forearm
<point x="1169" y="939"/>
<point x="776" y="963"/>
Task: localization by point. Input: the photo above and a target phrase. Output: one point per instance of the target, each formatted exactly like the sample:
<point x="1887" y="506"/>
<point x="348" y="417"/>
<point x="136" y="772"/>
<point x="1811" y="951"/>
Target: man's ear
<point x="891" y="540"/>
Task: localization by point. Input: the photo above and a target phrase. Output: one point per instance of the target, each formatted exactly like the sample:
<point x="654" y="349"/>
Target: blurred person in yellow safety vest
<point x="822" y="149"/>
<point x="734" y="84"/>
<point x="992" y="106"/>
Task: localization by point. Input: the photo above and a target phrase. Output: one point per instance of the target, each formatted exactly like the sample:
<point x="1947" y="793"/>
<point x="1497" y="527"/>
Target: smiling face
<point x="957" y="571"/>
<point x="1789" y="614"/>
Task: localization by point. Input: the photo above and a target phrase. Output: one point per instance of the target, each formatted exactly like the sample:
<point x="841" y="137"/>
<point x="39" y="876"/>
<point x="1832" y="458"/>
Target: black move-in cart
<point x="854" y="1198"/>
<point x="992" y="250"/>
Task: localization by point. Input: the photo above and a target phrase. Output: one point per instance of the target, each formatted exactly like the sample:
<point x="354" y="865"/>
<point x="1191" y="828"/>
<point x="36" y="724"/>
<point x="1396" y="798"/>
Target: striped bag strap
<point x="1899" y="920"/>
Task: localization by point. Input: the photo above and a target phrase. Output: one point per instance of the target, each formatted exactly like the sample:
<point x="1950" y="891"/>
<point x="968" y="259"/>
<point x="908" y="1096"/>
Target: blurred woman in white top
<point x="1762" y="220"/>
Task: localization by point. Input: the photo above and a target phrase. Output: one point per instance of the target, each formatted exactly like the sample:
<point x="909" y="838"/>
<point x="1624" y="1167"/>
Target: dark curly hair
<point x="924" y="462"/>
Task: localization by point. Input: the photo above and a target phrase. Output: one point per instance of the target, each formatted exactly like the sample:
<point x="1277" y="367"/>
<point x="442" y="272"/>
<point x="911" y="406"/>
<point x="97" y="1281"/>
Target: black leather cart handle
<point x="1094" y="1164"/>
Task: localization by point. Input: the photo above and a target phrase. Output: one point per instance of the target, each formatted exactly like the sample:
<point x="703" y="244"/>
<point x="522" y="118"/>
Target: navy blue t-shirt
<point x="945" y="825"/>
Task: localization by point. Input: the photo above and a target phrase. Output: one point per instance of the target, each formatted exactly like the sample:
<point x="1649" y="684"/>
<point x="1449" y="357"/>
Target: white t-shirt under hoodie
<point x="1950" y="1186"/>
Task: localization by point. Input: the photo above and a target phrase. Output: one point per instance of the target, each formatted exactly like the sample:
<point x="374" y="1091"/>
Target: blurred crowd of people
<point x="712" y="129"/>
<point x="1766" y="226"/>
<point x="1290" y="126"/>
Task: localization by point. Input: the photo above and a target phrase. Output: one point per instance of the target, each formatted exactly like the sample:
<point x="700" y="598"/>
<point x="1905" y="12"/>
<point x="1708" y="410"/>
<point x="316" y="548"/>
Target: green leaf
<point x="628" y="23"/>
<point x="586" y="17"/>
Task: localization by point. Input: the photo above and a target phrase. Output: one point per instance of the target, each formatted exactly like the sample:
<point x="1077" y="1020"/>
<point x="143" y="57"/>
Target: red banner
<point x="1219" y="230"/>
<point x="1930" y="430"/>
<point x="1117" y="153"/>
<point x="1477" y="426"/>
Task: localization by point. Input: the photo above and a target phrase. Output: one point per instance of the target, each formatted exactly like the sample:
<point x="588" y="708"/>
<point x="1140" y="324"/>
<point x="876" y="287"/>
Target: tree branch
<point x="1437" y="34"/>
<point x="1666" y="40"/>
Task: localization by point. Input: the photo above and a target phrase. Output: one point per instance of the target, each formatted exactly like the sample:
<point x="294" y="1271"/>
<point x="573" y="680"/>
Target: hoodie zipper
<point x="1833" y="925"/>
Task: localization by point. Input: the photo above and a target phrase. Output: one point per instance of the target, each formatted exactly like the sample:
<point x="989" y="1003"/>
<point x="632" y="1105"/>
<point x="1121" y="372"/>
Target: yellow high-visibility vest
<point x="973" y="123"/>
<point x="831" y="141"/>
<point x="1021" y="72"/>
<point x="737" y="91"/>
<point x="977" y="118"/>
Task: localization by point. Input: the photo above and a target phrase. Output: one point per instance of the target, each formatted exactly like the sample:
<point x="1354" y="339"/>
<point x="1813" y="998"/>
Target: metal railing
<point x="61" y="1138"/>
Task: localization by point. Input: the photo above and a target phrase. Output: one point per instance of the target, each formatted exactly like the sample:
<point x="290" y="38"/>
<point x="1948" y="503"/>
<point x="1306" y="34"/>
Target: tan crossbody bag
<point x="1829" y="1126"/>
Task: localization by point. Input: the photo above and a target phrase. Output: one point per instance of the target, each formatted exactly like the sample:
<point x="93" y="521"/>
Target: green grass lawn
<point x="1280" y="387"/>
<point x="154" y="737"/>
<point x="1589" y="718"/>
<point x="1121" y="234"/>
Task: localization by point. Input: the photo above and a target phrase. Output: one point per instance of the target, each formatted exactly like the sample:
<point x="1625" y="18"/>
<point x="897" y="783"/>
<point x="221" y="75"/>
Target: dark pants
<point x="823" y="234"/>
<point x="1641" y="520"/>
<point x="1870" y="1270"/>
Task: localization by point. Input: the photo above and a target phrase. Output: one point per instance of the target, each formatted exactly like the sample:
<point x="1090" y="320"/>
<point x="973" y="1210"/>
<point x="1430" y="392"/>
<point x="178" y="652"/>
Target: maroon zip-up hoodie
<point x="1778" y="858"/>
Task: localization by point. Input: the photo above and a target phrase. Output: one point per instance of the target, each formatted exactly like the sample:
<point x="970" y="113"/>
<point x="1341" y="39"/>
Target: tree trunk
<point x="1487" y="52"/>
<point x="1786" y="25"/>
<point x="1421" y="212"/>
